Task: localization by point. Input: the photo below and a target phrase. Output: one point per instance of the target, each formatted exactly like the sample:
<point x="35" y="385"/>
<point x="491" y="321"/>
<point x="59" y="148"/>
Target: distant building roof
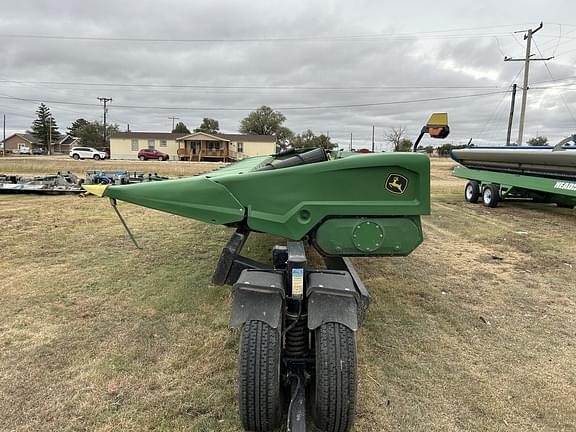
<point x="177" y="136"/>
<point x="247" y="137"/>
<point x="233" y="137"/>
<point x="68" y="139"/>
<point x="28" y="137"/>
<point x="148" y="135"/>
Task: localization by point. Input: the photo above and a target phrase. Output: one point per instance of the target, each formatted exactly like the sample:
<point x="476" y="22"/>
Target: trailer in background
<point x="493" y="187"/>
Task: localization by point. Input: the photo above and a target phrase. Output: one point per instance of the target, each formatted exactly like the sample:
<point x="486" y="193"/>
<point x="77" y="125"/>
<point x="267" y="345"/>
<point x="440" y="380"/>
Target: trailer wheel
<point x="472" y="191"/>
<point x="491" y="195"/>
<point x="336" y="378"/>
<point x="259" y="377"/>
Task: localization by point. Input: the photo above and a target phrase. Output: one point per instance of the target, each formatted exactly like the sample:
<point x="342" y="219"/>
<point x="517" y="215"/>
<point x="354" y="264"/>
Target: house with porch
<point x="197" y="146"/>
<point x="201" y="146"/>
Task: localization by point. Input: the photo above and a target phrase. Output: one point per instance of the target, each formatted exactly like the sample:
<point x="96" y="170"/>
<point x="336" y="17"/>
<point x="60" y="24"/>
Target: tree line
<point x="262" y="121"/>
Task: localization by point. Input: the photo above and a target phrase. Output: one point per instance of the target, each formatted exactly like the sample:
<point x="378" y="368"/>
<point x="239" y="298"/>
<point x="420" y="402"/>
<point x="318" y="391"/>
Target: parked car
<point x="87" y="153"/>
<point x="22" y="149"/>
<point x="38" y="151"/>
<point x="145" y="154"/>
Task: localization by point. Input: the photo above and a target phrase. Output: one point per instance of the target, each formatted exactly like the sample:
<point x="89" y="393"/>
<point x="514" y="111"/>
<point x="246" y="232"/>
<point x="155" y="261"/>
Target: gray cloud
<point x="463" y="47"/>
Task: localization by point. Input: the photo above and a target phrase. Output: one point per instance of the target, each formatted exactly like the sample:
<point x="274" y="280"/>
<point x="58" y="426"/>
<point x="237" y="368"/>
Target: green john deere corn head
<point x="298" y="324"/>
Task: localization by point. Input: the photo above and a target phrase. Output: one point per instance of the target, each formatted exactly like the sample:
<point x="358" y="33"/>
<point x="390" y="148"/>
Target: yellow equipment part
<point x="97" y="190"/>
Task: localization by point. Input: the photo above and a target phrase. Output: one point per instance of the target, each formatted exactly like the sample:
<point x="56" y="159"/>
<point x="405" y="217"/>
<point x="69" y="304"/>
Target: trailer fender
<point x="332" y="297"/>
<point x="258" y="295"/>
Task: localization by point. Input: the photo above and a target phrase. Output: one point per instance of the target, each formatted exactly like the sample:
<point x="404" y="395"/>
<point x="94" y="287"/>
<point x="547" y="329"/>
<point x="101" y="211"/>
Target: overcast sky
<point x="222" y="59"/>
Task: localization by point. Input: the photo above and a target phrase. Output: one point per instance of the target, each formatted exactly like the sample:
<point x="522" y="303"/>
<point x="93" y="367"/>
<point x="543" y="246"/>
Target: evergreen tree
<point x="209" y="126"/>
<point x="181" y="128"/>
<point x="76" y="125"/>
<point x="44" y="127"/>
<point x="91" y="134"/>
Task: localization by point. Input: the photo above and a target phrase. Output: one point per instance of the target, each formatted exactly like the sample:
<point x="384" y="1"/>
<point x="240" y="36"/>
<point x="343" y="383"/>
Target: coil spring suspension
<point x="296" y="338"/>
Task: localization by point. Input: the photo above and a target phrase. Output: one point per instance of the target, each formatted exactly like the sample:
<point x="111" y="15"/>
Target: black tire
<point x="336" y="378"/>
<point x="566" y="206"/>
<point x="75" y="156"/>
<point x="472" y="191"/>
<point x="141" y="158"/>
<point x="259" y="377"/>
<point x="96" y="157"/>
<point x="491" y="195"/>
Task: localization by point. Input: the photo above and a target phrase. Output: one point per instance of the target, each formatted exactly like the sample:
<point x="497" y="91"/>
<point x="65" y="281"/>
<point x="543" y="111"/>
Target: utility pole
<point x="4" y="137"/>
<point x="372" y="138"/>
<point x="527" y="59"/>
<point x="50" y="134"/>
<point x="105" y="101"/>
<point x="350" y="141"/>
<point x="511" y="114"/>
<point x="173" y="119"/>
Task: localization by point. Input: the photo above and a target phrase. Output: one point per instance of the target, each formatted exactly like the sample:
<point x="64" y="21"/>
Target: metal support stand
<point x="297" y="407"/>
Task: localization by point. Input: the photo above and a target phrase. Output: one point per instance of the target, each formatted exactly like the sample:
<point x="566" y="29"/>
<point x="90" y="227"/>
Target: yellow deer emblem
<point x="396" y="183"/>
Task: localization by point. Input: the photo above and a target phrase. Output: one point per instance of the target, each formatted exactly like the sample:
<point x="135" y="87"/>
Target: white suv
<point x="87" y="153"/>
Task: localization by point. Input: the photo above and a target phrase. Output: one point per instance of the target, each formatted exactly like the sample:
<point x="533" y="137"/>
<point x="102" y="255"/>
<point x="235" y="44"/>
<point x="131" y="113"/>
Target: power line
<point x="497" y="109"/>
<point x="248" y="87"/>
<point x="289" y="108"/>
<point x="173" y="120"/>
<point x="552" y="76"/>
<point x="434" y="34"/>
<point x="527" y="59"/>
<point x="555" y="80"/>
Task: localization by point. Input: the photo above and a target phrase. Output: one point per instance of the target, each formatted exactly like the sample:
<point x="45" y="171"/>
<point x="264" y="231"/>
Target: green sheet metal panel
<point x="369" y="236"/>
<point x="290" y="202"/>
<point x="196" y="197"/>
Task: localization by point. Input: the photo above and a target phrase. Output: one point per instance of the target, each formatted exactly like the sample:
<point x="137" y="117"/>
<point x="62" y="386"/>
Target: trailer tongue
<point x="298" y="323"/>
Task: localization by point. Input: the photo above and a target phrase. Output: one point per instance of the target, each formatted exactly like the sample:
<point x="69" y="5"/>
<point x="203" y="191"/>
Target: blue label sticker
<point x="297" y="282"/>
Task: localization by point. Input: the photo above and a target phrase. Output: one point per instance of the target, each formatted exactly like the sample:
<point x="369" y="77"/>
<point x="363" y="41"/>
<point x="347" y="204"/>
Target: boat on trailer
<point x="535" y="161"/>
<point x="54" y="184"/>
<point x="541" y="173"/>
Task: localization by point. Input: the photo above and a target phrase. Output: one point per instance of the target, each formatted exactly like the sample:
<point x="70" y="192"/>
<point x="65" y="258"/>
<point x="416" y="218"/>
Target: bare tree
<point x="395" y="136"/>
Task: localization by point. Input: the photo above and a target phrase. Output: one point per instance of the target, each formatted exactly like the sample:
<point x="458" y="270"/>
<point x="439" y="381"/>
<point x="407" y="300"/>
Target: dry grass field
<point x="475" y="331"/>
<point x="39" y="165"/>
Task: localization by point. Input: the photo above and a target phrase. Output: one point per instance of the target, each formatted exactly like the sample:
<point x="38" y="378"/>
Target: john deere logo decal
<point x="396" y="183"/>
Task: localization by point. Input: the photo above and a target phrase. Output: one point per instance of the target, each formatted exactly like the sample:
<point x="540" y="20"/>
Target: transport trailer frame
<point x="493" y="186"/>
<point x="297" y="339"/>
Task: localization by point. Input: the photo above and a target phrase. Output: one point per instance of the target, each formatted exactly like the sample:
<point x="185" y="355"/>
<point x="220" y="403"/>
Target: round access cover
<point x="367" y="236"/>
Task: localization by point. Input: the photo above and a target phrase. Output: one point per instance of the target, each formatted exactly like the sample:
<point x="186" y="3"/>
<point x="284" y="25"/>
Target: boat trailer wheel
<point x="472" y="192"/>
<point x="490" y="195"/>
